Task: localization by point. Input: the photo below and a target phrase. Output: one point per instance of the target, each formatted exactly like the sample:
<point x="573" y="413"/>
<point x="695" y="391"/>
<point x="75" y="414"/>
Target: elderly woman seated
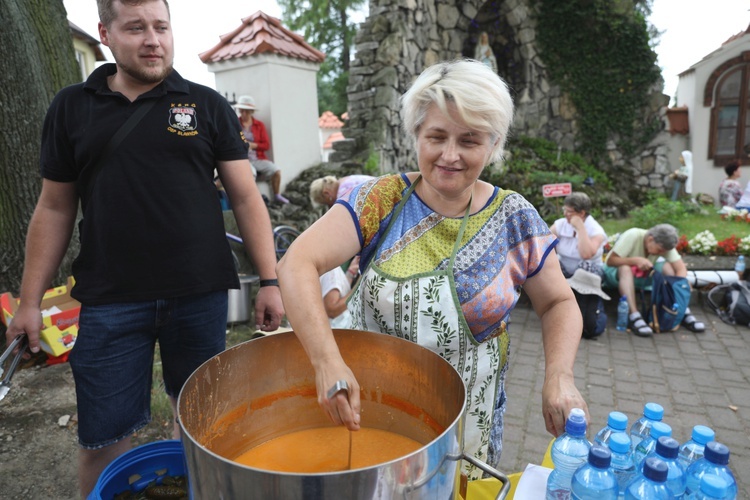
<point x="629" y="265"/>
<point x="581" y="238"/>
<point x="326" y="190"/>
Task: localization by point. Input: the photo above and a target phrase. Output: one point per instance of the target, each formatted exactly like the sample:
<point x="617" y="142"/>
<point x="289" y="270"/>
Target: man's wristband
<point x="269" y="283"/>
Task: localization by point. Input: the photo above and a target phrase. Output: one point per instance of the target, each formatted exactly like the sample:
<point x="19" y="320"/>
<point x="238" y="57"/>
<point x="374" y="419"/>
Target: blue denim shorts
<point x="112" y="360"/>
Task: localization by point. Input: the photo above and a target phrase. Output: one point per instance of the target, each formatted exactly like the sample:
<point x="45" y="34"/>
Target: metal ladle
<point x="21" y="342"/>
<point x="341" y="385"/>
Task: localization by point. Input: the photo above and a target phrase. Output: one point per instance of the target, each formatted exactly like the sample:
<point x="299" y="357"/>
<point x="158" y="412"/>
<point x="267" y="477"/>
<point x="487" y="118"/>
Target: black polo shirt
<point x="153" y="227"/>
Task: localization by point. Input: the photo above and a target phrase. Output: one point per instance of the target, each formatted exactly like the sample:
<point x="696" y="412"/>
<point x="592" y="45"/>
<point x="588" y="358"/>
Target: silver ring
<point x="340" y="385"/>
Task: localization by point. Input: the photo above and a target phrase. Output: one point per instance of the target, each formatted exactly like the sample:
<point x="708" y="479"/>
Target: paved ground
<point x="697" y="378"/>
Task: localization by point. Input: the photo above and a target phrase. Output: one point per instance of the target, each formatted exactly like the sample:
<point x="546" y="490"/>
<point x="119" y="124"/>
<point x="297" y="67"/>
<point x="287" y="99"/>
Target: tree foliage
<point x="38" y="59"/>
<point x="327" y="26"/>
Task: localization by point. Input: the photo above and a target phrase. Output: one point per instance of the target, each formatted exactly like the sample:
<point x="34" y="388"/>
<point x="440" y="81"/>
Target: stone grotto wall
<point x="400" y="38"/>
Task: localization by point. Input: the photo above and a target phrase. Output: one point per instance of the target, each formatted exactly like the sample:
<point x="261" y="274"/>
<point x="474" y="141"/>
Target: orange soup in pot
<point x="326" y="449"/>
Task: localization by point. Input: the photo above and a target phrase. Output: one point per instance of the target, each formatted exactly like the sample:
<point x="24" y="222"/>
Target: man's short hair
<point x="107" y="12"/>
<point x="664" y="235"/>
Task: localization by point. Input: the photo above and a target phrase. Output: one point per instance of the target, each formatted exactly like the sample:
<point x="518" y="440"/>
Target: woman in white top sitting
<point x="336" y="286"/>
<point x="581" y="238"/>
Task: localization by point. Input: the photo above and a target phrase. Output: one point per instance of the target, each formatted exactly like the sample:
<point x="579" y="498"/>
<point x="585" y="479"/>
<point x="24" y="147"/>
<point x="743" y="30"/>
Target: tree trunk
<point x="38" y="60"/>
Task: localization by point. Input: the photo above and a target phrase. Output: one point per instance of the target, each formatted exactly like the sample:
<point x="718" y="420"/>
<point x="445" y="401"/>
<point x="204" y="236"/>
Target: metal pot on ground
<point x="265" y="388"/>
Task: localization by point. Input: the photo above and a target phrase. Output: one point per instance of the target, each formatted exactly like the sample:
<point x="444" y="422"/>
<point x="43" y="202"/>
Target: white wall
<point x="286" y="95"/>
<point x="690" y="89"/>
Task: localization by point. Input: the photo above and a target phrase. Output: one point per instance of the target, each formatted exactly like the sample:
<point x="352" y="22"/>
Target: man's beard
<point x="145" y="76"/>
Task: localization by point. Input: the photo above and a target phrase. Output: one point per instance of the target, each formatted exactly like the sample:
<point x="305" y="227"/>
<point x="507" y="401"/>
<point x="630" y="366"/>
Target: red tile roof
<point x="336" y="136"/>
<point x="259" y="34"/>
<point x="738" y="35"/>
<point x="329" y="120"/>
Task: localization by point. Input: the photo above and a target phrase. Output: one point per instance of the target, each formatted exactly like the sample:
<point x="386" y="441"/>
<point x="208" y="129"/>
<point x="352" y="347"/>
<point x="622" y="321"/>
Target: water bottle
<point x="647" y="445"/>
<point x="652" y="484"/>
<point x="623" y="310"/>
<point x="652" y="412"/>
<point x="739" y="265"/>
<point x="712" y="488"/>
<point x="692" y="450"/>
<point x="595" y="480"/>
<point x="715" y="461"/>
<point x="616" y="422"/>
<point x="622" y="463"/>
<point x="569" y="451"/>
<point x="666" y="450"/>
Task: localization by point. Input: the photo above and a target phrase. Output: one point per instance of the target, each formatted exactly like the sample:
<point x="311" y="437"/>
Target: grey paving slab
<point x="698" y="378"/>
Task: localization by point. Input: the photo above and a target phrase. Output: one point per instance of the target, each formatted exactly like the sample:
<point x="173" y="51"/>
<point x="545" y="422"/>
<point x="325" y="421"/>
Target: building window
<point x="730" y="113"/>
<point x="81" y="58"/>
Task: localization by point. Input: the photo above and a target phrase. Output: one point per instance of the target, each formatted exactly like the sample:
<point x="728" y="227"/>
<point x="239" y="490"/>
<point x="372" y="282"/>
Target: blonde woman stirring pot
<point x="441" y="243"/>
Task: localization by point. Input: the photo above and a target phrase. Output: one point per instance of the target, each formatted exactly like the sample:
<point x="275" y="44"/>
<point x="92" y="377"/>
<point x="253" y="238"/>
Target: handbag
<point x="86" y="183"/>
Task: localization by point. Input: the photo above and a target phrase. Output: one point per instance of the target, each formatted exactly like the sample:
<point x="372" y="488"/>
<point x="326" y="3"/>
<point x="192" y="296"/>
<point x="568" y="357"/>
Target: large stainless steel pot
<point x="265" y="388"/>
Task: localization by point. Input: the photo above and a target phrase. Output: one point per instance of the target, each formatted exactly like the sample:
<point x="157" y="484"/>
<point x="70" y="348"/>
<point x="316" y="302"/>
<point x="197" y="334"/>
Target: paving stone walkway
<point x="697" y="378"/>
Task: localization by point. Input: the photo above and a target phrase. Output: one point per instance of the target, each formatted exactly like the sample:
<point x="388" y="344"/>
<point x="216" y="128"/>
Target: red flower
<point x="682" y="245"/>
<point x="728" y="246"/>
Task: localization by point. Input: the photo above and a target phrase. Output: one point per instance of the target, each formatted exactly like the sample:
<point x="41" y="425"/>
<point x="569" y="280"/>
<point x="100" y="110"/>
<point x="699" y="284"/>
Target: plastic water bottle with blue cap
<point x="652" y="484"/>
<point x="623" y="310"/>
<point x="712" y="488"/>
<point x="666" y="450"/>
<point x="641" y="428"/>
<point x="616" y="422"/>
<point x="692" y="450"/>
<point x="715" y="461"/>
<point x="569" y="451"/>
<point x="739" y="265"/>
<point x="622" y="463"/>
<point x="648" y="445"/>
<point x="595" y="480"/>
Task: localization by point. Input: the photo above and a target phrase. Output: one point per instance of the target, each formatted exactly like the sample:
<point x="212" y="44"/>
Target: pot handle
<point x="492" y="472"/>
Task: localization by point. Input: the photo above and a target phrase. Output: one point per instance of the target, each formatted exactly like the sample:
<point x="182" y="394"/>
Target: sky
<point x="691" y="30"/>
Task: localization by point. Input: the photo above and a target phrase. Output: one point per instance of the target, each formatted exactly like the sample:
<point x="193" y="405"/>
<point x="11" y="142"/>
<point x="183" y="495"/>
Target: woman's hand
<point x="556" y="306"/>
<point x="559" y="396"/>
<point x="343" y="408"/>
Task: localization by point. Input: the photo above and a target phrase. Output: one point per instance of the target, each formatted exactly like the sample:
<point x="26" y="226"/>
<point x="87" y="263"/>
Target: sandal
<point x="639" y="327"/>
<point x="692" y="324"/>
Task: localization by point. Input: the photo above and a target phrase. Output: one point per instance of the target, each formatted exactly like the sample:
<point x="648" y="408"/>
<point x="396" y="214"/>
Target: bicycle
<point x="283" y="236"/>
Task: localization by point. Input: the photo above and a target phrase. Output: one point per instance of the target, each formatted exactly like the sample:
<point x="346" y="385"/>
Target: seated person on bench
<point x="630" y="262"/>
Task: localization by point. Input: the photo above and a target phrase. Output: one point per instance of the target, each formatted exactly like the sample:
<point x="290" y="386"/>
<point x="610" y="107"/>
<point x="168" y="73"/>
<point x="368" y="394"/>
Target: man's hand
<point x="27" y="320"/>
<point x="268" y="309"/>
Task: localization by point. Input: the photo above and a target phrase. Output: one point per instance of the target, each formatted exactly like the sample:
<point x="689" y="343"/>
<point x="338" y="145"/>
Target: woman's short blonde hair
<point x="318" y="185"/>
<point x="481" y="98"/>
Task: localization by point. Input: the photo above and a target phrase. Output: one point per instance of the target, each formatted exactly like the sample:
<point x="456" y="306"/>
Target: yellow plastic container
<point x="487" y="489"/>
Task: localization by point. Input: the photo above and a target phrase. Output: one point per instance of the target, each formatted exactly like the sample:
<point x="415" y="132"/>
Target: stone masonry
<point x="400" y="38"/>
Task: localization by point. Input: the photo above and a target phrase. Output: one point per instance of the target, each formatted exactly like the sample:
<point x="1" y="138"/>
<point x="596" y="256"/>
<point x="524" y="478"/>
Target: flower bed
<point x="704" y="243"/>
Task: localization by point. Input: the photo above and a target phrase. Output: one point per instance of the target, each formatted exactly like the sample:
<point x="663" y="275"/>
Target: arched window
<point x="730" y="113"/>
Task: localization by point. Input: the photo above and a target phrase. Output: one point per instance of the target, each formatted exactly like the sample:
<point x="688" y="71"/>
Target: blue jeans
<point x="112" y="360"/>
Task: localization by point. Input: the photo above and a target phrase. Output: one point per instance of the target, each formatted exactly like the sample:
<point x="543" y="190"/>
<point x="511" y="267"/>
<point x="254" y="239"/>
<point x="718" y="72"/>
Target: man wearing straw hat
<point x="258" y="142"/>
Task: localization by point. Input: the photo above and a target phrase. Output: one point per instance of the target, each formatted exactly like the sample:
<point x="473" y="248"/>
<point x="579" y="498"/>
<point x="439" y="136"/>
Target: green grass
<point x="690" y="226"/>
<point x="688" y="217"/>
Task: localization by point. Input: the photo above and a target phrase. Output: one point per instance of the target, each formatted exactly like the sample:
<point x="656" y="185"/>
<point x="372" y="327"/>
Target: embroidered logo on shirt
<point x="183" y="120"/>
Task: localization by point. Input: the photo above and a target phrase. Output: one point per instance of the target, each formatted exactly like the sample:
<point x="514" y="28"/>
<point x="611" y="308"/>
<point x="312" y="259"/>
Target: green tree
<point x="327" y="26"/>
<point x="38" y="59"/>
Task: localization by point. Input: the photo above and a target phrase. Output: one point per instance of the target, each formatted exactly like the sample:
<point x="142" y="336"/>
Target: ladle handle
<point x="505" y="489"/>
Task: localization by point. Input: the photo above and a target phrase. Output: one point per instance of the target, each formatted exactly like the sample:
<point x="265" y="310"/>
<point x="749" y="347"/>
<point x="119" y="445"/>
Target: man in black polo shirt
<point x="154" y="263"/>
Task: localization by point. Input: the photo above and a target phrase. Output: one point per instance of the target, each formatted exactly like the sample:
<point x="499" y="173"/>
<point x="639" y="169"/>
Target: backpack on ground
<point x="594" y="316"/>
<point x="731" y="302"/>
<point x="670" y="297"/>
